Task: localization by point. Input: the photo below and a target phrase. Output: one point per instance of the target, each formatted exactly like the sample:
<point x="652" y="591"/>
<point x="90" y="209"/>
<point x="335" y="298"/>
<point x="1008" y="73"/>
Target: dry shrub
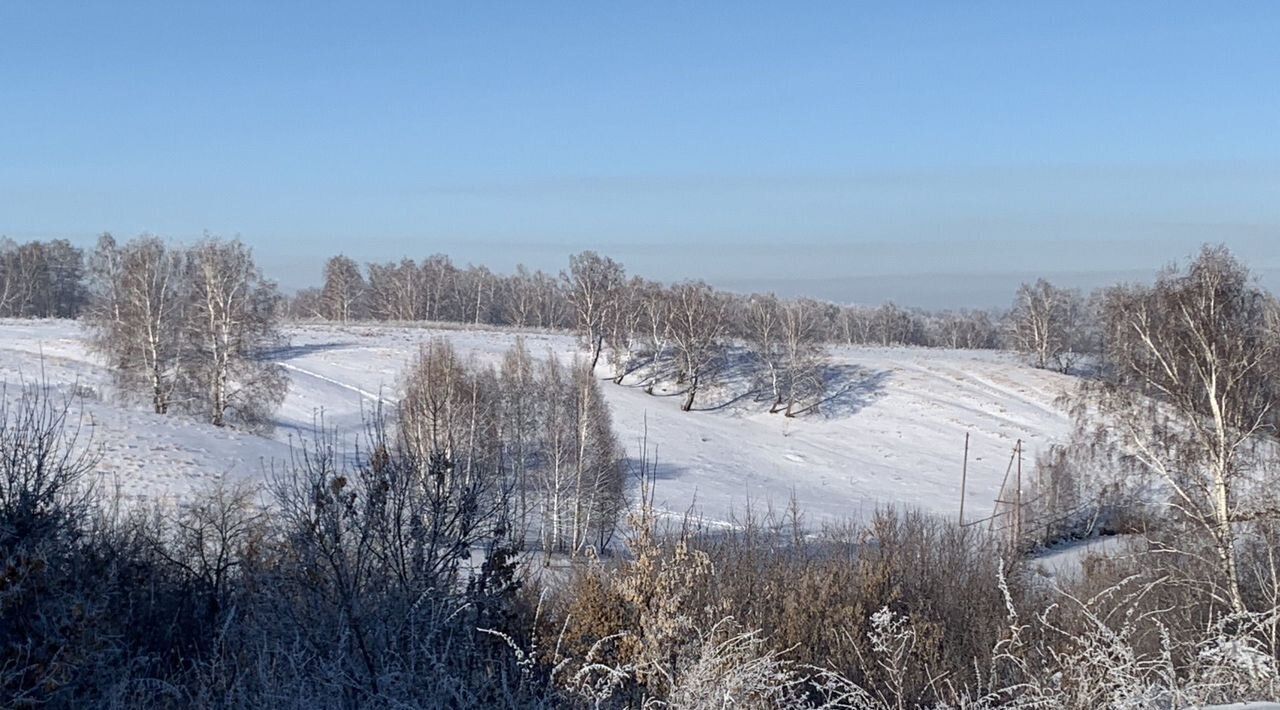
<point x="813" y="601"/>
<point x="820" y="596"/>
<point x="645" y="616"/>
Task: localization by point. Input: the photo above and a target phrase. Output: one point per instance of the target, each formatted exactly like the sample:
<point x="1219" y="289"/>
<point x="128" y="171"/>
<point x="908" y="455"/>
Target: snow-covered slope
<point x="892" y="434"/>
<point x="147" y="455"/>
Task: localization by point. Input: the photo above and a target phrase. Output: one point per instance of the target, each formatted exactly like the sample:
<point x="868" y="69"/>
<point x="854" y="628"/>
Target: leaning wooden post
<point x="1017" y="500"/>
<point x="964" y="476"/>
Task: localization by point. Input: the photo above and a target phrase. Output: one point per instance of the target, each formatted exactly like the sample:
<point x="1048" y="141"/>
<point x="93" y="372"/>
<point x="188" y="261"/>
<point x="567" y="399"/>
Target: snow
<point x="893" y="433"/>
<point x="147" y="455"/>
<point x="1065" y="561"/>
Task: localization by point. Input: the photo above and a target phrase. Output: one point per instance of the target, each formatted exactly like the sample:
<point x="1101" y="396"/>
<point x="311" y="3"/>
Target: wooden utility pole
<point x="964" y="476"/>
<point x="1017" y="499"/>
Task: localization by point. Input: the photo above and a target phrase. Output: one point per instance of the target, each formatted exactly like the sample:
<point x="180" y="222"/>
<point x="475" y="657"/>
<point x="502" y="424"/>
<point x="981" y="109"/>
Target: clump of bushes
<point x="348" y="582"/>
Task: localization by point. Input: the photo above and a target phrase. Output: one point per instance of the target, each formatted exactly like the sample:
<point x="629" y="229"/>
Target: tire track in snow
<point x="337" y="383"/>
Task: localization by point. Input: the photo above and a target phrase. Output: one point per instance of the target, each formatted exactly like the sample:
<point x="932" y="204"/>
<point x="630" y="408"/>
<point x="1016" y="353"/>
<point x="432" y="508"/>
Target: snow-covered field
<point x="892" y="434"/>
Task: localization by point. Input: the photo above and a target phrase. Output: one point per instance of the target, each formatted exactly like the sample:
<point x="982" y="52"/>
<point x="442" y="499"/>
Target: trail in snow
<point x="363" y="393"/>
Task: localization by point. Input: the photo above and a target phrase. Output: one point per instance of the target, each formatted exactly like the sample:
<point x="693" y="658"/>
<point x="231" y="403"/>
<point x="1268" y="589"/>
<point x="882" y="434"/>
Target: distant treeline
<point x="436" y="289"/>
<point x="41" y="279"/>
<point x="1053" y="326"/>
<point x="50" y="279"/>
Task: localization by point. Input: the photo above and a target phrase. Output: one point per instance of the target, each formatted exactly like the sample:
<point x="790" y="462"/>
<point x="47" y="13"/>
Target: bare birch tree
<point x="1044" y="322"/>
<point x="433" y="388"/>
<point x="786" y="339"/>
<point x="438" y="278"/>
<point x="519" y="395"/>
<point x="805" y="357"/>
<point x="554" y="309"/>
<point x="232" y="323"/>
<point x="554" y="474"/>
<point x="65" y="294"/>
<point x="137" y="317"/>
<point x="655" y="324"/>
<point x="343" y="295"/>
<point x="396" y="291"/>
<point x="893" y="325"/>
<point x="859" y="325"/>
<point x="623" y="327"/>
<point x="592" y="283"/>
<point x="697" y="326"/>
<point x="8" y="277"/>
<point x="520" y="298"/>
<point x="762" y="325"/>
<point x="1201" y="346"/>
<point x="306" y="304"/>
<point x="578" y="474"/>
<point x="475" y="291"/>
<point x="450" y="409"/>
<point x="970" y="330"/>
<point x="41" y="279"/>
<point x="598" y="480"/>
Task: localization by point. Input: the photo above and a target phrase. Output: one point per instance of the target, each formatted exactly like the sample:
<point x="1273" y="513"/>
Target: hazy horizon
<point x="839" y="273"/>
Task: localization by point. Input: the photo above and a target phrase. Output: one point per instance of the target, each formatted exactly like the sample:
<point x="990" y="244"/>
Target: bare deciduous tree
<point x="1044" y="324"/>
<point x="232" y="322"/>
<point x="655" y="325"/>
<point x="579" y="476"/>
<point x="859" y="325"/>
<point x="65" y="290"/>
<point x="592" y="283"/>
<point x="544" y="429"/>
<point x="1200" y="344"/>
<point x="785" y="337"/>
<point x="476" y="293"/>
<point x="762" y="324"/>
<point x="438" y="276"/>
<point x="697" y="325"/>
<point x="554" y="308"/>
<point x="893" y="325"/>
<point x="447" y="409"/>
<point x="41" y="279"/>
<point x="805" y="357"/>
<point x="968" y="330"/>
<point x="598" y="481"/>
<point x="138" y="317"/>
<point x="519" y="421"/>
<point x="623" y="327"/>
<point x="396" y="291"/>
<point x="342" y="296"/>
<point x="9" y="283"/>
<point x="306" y="304"/>
<point x="520" y="298"/>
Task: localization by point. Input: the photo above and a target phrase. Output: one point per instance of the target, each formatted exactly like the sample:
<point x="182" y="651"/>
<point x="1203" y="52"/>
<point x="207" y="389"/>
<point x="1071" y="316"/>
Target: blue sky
<point x="924" y="150"/>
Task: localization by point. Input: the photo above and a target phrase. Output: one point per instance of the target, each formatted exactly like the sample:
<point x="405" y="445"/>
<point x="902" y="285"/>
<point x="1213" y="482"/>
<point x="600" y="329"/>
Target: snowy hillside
<point x="893" y="432"/>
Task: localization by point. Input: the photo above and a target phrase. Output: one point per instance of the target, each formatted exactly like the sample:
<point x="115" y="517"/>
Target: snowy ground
<point x="1064" y="562"/>
<point x="893" y="433"/>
